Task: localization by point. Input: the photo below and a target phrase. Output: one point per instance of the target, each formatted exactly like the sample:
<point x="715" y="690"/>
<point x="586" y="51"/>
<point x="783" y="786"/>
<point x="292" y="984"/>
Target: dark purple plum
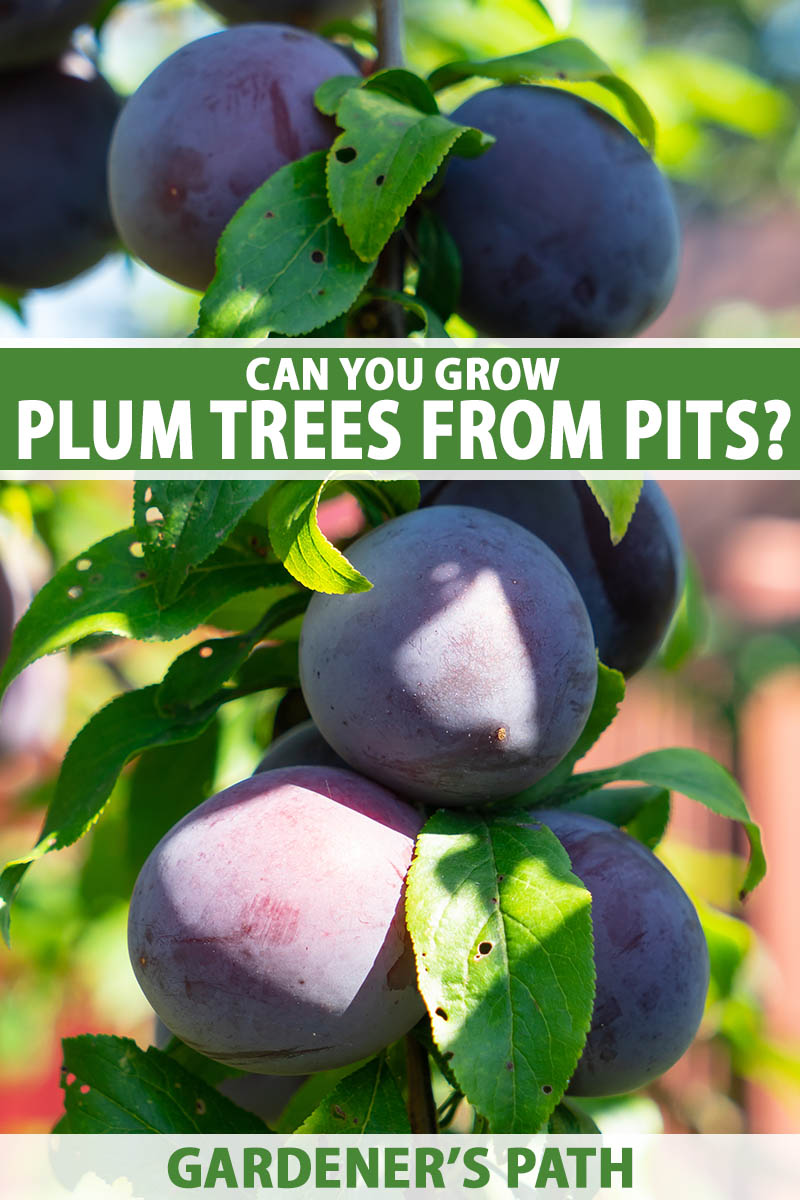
<point x="36" y="31"/>
<point x="264" y="1095"/>
<point x="309" y="13"/>
<point x="650" y="956"/>
<point x="303" y="746"/>
<point x="631" y="590"/>
<point x="55" y="129"/>
<point x="267" y="928"/>
<point x="205" y="129"/>
<point x="468" y="670"/>
<point x="566" y="227"/>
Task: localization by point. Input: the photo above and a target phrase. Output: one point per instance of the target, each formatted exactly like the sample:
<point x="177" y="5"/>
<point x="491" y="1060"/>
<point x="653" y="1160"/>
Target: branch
<point x="389" y="28"/>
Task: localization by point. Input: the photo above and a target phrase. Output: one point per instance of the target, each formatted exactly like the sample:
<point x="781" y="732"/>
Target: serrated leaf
<point x="368" y="1101"/>
<point x="502" y="936"/>
<point x="607" y="698"/>
<point x="387" y="153"/>
<point x="283" y="263"/>
<point x="618" y="499"/>
<point x="405" y="86"/>
<point x="309" y="1096"/>
<point x="167" y="782"/>
<point x="643" y="811"/>
<point x="198" y="674"/>
<point x="568" y="60"/>
<point x="108" y="590"/>
<point x="192" y="519"/>
<point x="111" y="1086"/>
<point x="300" y="544"/>
<point x="439" y="282"/>
<point x="126" y="726"/>
<point x="691" y="773"/>
<point x="329" y="94"/>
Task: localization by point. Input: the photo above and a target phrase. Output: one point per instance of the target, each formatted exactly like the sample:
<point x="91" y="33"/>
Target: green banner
<point x="307" y="407"/>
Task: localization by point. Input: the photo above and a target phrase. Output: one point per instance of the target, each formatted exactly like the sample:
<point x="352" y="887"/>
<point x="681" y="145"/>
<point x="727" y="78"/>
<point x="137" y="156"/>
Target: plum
<point x="566" y="227"/>
<point x="650" y="956"/>
<point x="267" y="928"/>
<point x="469" y="669"/>
<point x="205" y="129"/>
<point x="302" y="746"/>
<point x="55" y="130"/>
<point x="631" y="590"/>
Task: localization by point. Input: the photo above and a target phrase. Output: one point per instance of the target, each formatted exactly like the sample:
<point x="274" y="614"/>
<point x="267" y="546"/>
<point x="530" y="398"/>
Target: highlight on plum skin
<point x="473" y="655"/>
<point x="267" y="928"/>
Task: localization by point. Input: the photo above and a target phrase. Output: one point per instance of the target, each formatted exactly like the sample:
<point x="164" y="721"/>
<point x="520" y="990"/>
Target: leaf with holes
<point x="387" y="153"/>
<point x="690" y="773"/>
<point x="568" y="60"/>
<point x="111" y="1086"/>
<point x="439" y="282"/>
<point x="618" y="499"/>
<point x="126" y="726"/>
<point x="502" y="936"/>
<point x="108" y="590"/>
<point x="283" y="263"/>
<point x="368" y="1101"/>
<point x="300" y="544"/>
<point x="197" y="675"/>
<point x="182" y="523"/>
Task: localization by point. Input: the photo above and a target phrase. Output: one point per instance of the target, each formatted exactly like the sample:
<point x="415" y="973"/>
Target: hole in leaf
<point x="84" y="1089"/>
<point x="70" y="1080"/>
<point x="83" y="564"/>
<point x="441" y="1013"/>
<point x="317" y="256"/>
<point x="546" y="1089"/>
<point x="268" y="216"/>
<point x="485" y="948"/>
<point x="346" y="154"/>
<point x="379" y="181"/>
<point x="75" y="593"/>
<point x="148" y="496"/>
<point x="206" y="651"/>
<point x="153" y="515"/>
<point x="200" y="1107"/>
<point x="136" y="549"/>
<point x="140" y="575"/>
<point x="338" y="1112"/>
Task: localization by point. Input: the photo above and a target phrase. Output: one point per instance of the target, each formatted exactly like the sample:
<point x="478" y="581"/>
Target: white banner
<point x="657" y="1167"/>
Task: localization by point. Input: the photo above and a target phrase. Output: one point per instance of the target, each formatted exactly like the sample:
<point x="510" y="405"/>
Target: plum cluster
<point x="56" y="118"/>
<point x="267" y="929"/>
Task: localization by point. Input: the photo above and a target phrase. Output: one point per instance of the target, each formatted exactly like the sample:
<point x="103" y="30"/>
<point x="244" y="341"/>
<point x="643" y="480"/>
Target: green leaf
<point x="108" y="590"/>
<point x="389" y="498"/>
<point x="618" y="499"/>
<point x="12" y="299"/>
<point x="211" y="1072"/>
<point x="567" y="1119"/>
<point x="387" y="153"/>
<point x="439" y="282"/>
<point x="330" y="94"/>
<point x="309" y="1096"/>
<point x="607" y="699"/>
<point x="199" y="673"/>
<point x="111" y="1086"/>
<point x="643" y="811"/>
<point x="430" y="322"/>
<point x="168" y="782"/>
<point x="302" y="547"/>
<point x="689" y="627"/>
<point x="268" y="667"/>
<point x="690" y="773"/>
<point x="126" y="726"/>
<point x="368" y="1101"/>
<point x="283" y="263"/>
<point x="503" y="942"/>
<point x="568" y="60"/>
<point x="183" y="522"/>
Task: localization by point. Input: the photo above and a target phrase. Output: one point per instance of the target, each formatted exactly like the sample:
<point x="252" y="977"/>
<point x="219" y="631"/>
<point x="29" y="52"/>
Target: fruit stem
<point x="390" y="33"/>
<point x="421" y="1105"/>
